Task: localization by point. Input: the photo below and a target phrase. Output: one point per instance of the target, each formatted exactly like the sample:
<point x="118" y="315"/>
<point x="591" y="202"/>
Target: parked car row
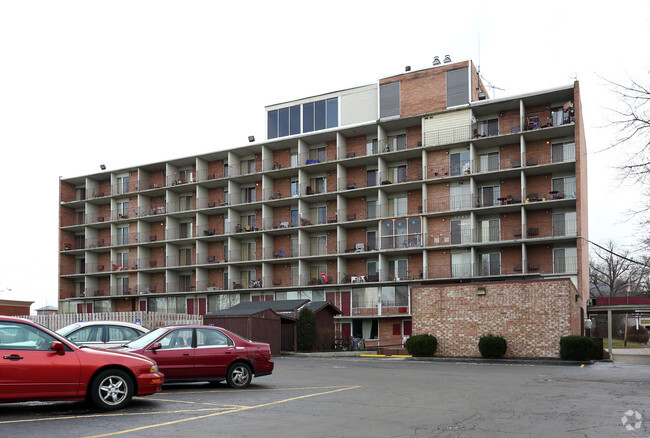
<point x="38" y="364"/>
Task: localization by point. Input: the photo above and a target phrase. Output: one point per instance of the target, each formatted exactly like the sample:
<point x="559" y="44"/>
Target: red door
<point x="255" y="298"/>
<point x="80" y="308"/>
<point x="143" y="305"/>
<point x="190" y="306"/>
<point x="89" y="307"/>
<point x="202" y="306"/>
<point x="268" y="297"/>
<point x="346" y="330"/>
<point x="345" y="303"/>
<point x="407" y="328"/>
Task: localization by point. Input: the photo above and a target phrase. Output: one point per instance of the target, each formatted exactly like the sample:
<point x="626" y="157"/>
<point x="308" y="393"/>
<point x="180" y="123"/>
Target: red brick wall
<point x="511" y="186"/>
<point x="414" y="202"/>
<point x="125" y="305"/>
<point x="424" y="91"/>
<point x="282" y="185"/>
<point x="543" y="255"/>
<point x="438" y="227"/>
<point x="539" y="150"/>
<point x="356" y="206"/>
<point x="510" y="256"/>
<point x="216" y="195"/>
<point x="157" y="179"/>
<point x="282" y="157"/>
<point x="581" y="201"/>
<point x="281" y="214"/>
<point x="282" y="272"/>
<point x="508" y="120"/>
<point x="437" y="161"/>
<point x="330" y="151"/>
<point x="14" y="310"/>
<point x="437" y="198"/>
<point x="215" y="168"/>
<point x="508" y="154"/>
<point x="540" y="184"/>
<point x="439" y="264"/>
<point x="67" y="192"/>
<point x="66" y="217"/>
<point x="357" y="267"/>
<point x="356" y="146"/>
<point x="414" y="169"/>
<point x="413" y="136"/>
<point x="414" y="266"/>
<point x="532" y="315"/>
<point x="509" y="223"/>
<point x="216" y="222"/>
<point x="357" y="175"/>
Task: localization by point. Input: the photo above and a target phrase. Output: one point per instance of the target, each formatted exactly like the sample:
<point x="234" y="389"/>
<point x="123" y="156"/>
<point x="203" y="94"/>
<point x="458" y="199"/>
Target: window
<point x="294" y="159"/>
<point x="101" y="306"/>
<point x="461" y="230"/>
<point x="122" y="285"/>
<point x="122" y="334"/>
<point x="489" y="162"/>
<point x="397" y="142"/>
<point x="212" y="338"/>
<point x="247" y="167"/>
<point x="371" y="240"/>
<point x="180" y="338"/>
<point x="122" y="261"/>
<point x="248" y="222"/>
<point x="122" y="184"/>
<point x="318" y="184"/>
<point x="491" y="264"/>
<point x="248" y="251"/>
<point x="401" y="233"/>
<point x="487" y="128"/>
<point x="389" y="99"/>
<point x="557" y="115"/>
<point x="372" y="146"/>
<point x="185" y="282"/>
<point x="397" y="269"/>
<point x="371" y="177"/>
<point x="185" y="256"/>
<point x="247" y="195"/>
<point x="489" y="229"/>
<point x="185" y="230"/>
<point x="283" y="122"/>
<point x="563" y="151"/>
<point x="397" y="206"/>
<point x="565" y="260"/>
<point x="459" y="163"/>
<point x="294" y="247"/>
<point x="565" y="224"/>
<point x="457" y="87"/>
<point x="295" y="218"/>
<point x="371" y="209"/>
<point x="295" y="275"/>
<point x="295" y="190"/>
<point x="564" y="186"/>
<point x="79" y="265"/>
<point x="80" y="193"/>
<point x="490" y="196"/>
<point x="186" y="175"/>
<point x="185" y="203"/>
<point x="122" y="209"/>
<point x="394" y="296"/>
<point x="461" y="264"/>
<point x="318" y="155"/>
<point x="319" y="115"/>
<point x="318" y="214"/>
<point x="365" y="297"/>
<point x="397" y="174"/>
<point x="315" y="273"/>
<point x="24" y="337"/>
<point x="459" y="196"/>
<point x="123" y="235"/>
<point x="318" y="245"/>
<point x="371" y="267"/>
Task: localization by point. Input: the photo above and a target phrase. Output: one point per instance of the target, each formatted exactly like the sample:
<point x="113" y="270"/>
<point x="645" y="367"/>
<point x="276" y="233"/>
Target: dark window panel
<point x="294" y="117"/>
<point x="389" y="103"/>
<point x="308" y="117"/>
<point x="332" y="112"/>
<point x="272" y="124"/>
<point x="319" y="115"/>
<point x="457" y="87"/>
<point x="283" y="122"/>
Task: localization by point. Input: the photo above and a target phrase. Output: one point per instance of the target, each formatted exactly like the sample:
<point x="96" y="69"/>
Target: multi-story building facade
<point x="354" y="197"/>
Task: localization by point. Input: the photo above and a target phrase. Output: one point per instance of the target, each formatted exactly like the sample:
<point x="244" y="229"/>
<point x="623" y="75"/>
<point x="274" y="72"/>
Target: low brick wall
<point x="532" y="315"/>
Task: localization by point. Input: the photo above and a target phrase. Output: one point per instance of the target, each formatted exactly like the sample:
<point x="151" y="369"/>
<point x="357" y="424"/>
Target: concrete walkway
<point x="632" y="356"/>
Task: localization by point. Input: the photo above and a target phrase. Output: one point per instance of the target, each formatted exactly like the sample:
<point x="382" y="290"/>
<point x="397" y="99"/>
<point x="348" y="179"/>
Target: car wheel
<point x="239" y="375"/>
<point x="111" y="389"/>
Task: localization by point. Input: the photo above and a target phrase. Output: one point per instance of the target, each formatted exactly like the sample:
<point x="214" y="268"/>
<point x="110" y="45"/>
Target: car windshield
<point x="146" y="339"/>
<point x="65" y="331"/>
<point x="238" y="335"/>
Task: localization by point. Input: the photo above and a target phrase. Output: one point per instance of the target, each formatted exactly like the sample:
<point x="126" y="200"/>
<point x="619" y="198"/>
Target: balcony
<point x="382" y="307"/>
<point x="180" y="206"/>
<point x="180" y="260"/>
<point x="118" y="266"/>
<point x="456" y="134"/>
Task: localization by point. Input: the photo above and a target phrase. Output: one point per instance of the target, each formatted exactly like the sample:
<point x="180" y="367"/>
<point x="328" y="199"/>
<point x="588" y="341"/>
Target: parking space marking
<point x="245" y="408"/>
<point x="239" y="391"/>
<point x="201" y="403"/>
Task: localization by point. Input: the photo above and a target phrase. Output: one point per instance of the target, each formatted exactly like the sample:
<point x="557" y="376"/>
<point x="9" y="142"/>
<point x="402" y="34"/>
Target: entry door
<point x="345" y="303"/>
<point x="190" y="306"/>
<point x="346" y="330"/>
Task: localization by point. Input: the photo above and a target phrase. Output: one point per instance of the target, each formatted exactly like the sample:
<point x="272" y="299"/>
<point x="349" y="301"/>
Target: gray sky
<point x="129" y="82"/>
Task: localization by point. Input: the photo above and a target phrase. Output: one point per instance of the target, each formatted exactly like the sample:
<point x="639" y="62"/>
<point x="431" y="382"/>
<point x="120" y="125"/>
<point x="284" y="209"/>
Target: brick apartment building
<point x="356" y="197"/>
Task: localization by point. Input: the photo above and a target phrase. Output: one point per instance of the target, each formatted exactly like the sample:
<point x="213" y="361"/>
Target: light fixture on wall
<point x="251" y="138"/>
<point x="102" y="166"/>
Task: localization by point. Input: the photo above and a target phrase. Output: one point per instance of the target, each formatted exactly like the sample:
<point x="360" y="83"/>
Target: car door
<point x="30" y="369"/>
<point x="175" y="358"/>
<point x="213" y="354"/>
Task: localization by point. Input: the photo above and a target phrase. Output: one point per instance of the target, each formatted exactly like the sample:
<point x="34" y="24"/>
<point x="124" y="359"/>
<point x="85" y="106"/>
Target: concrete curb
<point x="478" y="360"/>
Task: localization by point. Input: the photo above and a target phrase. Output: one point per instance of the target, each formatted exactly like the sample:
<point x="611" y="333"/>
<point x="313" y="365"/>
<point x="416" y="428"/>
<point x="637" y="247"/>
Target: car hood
<point x="117" y="351"/>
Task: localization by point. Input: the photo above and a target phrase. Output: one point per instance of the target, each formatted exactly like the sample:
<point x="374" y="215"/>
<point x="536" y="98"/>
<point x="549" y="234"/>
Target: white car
<point x="102" y="334"/>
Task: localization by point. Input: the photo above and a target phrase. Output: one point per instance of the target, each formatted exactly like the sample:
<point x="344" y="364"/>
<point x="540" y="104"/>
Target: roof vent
<point x="436" y="60"/>
<point x="447" y="59"/>
<point x="407" y="68"/>
<point x="481" y="95"/>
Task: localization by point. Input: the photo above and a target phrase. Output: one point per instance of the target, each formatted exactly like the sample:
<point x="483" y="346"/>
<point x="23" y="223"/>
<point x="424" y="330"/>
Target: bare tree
<point x="633" y="121"/>
<point x="611" y="271"/>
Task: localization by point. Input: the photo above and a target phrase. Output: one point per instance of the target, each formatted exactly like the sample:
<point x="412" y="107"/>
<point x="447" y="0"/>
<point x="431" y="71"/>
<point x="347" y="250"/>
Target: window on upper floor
<point x="401" y="233"/>
<point x="459" y="163"/>
<point x="563" y="151"/>
<point x="565" y="224"/>
<point x="397" y="174"/>
<point x="371" y="177"/>
<point x="461" y="230"/>
<point x="490" y="264"/>
<point x="247" y="194"/>
<point x="371" y="209"/>
<point x="80" y="193"/>
<point x="122" y="185"/>
<point x="397" y="269"/>
<point x="565" y="260"/>
<point x="318" y="154"/>
<point x="457" y="87"/>
<point x="294" y="159"/>
<point x="564" y="187"/>
<point x="318" y="245"/>
<point x="318" y="185"/>
<point x="321" y="114"/>
<point x="397" y="142"/>
<point x="489" y="230"/>
<point x="185" y="230"/>
<point x="372" y="146"/>
<point x="247" y="167"/>
<point x="490" y="195"/>
<point x="389" y="99"/>
<point x="123" y="235"/>
<point x="397" y="206"/>
<point x="460" y="196"/>
<point x="461" y="264"/>
<point x="487" y="128"/>
<point x="295" y="188"/>
<point x="488" y="162"/>
<point x="185" y="256"/>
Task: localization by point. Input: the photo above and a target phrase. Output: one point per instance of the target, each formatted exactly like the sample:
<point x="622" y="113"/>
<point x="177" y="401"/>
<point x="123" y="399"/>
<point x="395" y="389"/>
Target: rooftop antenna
<point x="493" y="87"/>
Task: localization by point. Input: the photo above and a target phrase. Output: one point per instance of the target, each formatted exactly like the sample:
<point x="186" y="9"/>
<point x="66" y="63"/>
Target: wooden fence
<point x="150" y="320"/>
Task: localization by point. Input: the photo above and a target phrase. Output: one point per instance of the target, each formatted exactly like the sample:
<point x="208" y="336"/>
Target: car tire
<point x="239" y="375"/>
<point x="111" y="389"/>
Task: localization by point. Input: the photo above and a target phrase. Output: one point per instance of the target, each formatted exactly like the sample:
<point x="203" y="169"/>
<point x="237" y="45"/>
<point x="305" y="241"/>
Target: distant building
<point x="355" y="197"/>
<point x="15" y="307"/>
<point x="47" y="310"/>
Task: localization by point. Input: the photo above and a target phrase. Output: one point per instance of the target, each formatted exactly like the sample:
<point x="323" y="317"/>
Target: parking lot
<point x="359" y="397"/>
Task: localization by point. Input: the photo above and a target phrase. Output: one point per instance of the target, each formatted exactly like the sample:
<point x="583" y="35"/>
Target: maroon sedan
<point x="39" y="365"/>
<point x="204" y="353"/>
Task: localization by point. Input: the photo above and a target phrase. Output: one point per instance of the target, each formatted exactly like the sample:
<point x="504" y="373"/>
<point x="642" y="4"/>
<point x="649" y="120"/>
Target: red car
<point x="38" y="364"/>
<point x="204" y="353"/>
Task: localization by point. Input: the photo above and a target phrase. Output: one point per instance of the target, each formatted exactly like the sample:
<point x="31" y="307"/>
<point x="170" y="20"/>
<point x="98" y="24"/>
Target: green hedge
<point x="578" y="348"/>
<point x="492" y="346"/>
<point x="421" y="345"/>
<point x="637" y="335"/>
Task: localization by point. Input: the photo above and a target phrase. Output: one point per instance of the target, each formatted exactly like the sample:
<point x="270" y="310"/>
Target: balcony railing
<point x="396" y="177"/>
<point x="448" y="135"/>
<point x="185" y="260"/>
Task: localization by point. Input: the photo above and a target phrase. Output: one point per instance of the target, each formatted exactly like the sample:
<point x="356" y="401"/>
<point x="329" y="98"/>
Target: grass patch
<point x="618" y="343"/>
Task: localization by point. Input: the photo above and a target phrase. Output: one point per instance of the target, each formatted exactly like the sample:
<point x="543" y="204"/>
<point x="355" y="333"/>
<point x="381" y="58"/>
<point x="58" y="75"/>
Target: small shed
<point x="273" y="322"/>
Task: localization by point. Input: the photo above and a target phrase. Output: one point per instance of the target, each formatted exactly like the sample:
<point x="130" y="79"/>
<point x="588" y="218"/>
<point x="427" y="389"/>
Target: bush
<point x="637" y="335"/>
<point x="307" y="330"/>
<point x="421" y="345"/>
<point x="578" y="348"/>
<point x="492" y="346"/>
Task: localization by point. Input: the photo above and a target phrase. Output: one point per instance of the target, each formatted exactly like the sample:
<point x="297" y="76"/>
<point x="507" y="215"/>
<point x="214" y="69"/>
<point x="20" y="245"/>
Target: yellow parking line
<point x="168" y="423"/>
<point x="207" y="391"/>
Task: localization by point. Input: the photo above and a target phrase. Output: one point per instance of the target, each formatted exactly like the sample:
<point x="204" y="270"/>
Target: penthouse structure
<point x="355" y="197"/>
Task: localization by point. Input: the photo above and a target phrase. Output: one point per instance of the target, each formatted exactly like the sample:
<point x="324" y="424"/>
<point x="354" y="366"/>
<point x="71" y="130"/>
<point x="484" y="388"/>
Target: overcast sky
<point x="123" y="83"/>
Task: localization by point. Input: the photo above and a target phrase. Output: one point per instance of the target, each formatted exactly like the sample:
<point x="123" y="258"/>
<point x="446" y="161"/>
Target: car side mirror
<point x="58" y="347"/>
<point x="156" y="346"/>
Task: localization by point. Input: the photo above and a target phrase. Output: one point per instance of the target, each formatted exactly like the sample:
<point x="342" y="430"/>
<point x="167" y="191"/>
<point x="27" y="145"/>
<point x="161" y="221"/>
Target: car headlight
<point x="153" y="369"/>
